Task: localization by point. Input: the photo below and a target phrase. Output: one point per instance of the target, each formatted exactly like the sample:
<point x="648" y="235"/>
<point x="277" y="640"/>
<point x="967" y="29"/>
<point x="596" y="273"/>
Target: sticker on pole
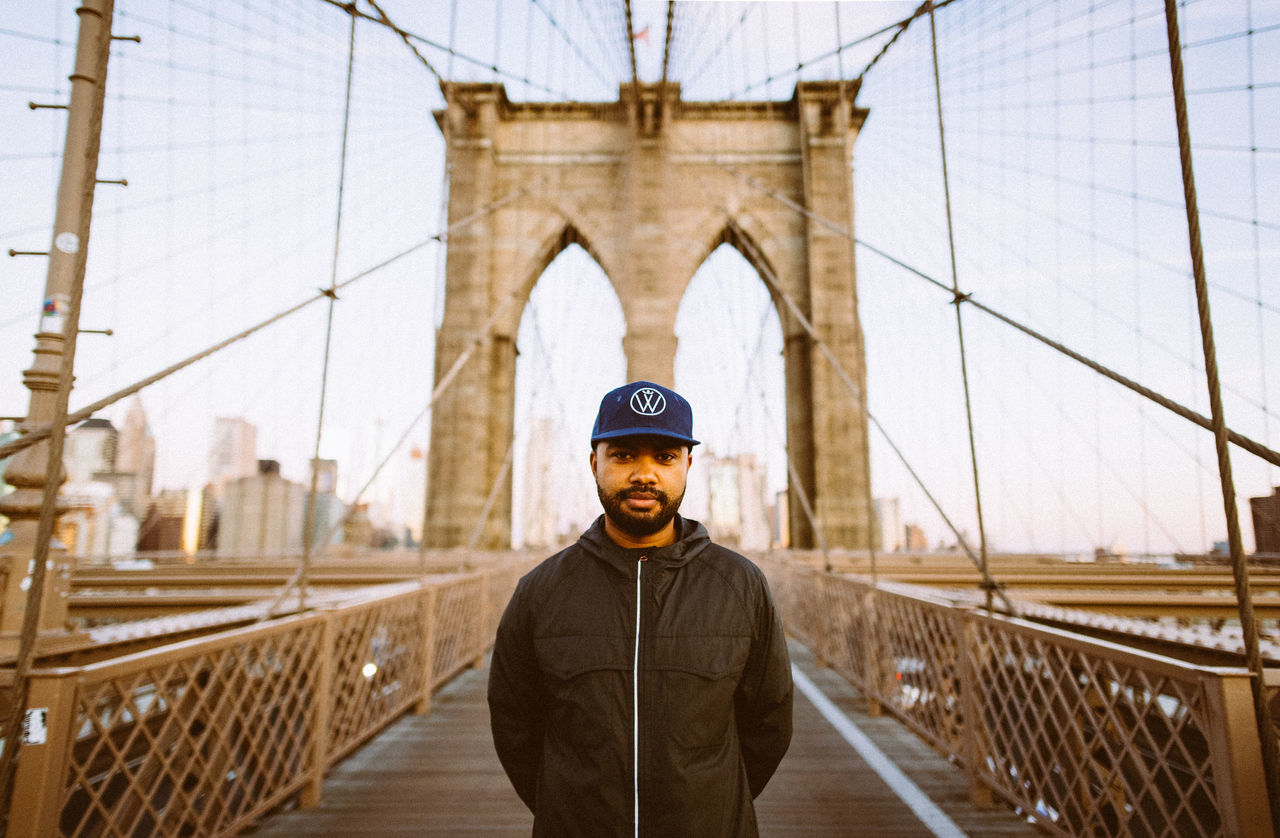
<point x="53" y="315"/>
<point x="35" y="726"/>
<point x="67" y="242"/>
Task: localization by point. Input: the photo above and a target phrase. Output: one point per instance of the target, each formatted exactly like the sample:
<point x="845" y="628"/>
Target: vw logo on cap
<point x="648" y="402"/>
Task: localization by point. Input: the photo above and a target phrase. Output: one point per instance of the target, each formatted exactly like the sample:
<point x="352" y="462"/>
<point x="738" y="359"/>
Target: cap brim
<point x="621" y="432"/>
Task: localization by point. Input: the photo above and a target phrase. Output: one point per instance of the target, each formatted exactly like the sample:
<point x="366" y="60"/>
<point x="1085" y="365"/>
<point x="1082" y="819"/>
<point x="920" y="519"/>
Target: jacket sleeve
<point x="516" y="714"/>
<point x="764" y="696"/>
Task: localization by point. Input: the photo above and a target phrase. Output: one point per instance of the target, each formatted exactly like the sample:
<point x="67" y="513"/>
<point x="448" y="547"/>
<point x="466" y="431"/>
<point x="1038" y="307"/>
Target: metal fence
<point x="205" y="736"/>
<point x="1086" y="736"/>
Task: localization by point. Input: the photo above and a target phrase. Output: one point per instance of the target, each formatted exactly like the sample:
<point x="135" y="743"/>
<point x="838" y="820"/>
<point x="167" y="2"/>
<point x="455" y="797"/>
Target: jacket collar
<point x="691" y="539"/>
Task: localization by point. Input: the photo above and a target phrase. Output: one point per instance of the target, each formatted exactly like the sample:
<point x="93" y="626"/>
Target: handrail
<point x="1087" y="736"/>
<point x="207" y="735"/>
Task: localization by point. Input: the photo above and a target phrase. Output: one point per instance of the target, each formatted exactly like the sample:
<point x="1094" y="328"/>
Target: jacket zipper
<point x="635" y="703"/>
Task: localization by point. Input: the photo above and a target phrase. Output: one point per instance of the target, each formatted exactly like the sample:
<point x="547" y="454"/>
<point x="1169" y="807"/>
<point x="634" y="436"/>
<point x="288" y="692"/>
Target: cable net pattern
<point x="1088" y="737"/>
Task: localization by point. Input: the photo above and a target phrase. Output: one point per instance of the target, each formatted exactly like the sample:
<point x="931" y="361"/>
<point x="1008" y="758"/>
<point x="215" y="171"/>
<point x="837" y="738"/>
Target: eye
<point x="667" y="457"/>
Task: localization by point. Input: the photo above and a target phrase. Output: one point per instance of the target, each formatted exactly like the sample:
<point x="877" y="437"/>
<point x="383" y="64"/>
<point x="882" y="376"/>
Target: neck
<point x="661" y="538"/>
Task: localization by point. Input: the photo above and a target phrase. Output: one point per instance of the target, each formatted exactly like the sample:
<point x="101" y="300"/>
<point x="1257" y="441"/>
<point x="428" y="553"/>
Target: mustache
<point x="640" y="492"/>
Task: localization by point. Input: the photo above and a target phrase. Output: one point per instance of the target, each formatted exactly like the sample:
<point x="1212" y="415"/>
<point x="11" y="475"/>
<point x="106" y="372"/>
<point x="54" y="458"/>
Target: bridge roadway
<point x="438" y="775"/>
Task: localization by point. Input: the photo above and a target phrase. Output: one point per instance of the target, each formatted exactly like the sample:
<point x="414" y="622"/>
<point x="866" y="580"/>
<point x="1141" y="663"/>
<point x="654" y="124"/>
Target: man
<point x="640" y="683"/>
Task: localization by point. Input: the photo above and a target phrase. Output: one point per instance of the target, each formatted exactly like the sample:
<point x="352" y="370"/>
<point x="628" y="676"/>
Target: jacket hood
<point x="691" y="539"/>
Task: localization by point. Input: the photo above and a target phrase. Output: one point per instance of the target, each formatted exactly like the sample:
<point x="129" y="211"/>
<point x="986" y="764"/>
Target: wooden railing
<point x="205" y="736"/>
<point x="1088" y="737"/>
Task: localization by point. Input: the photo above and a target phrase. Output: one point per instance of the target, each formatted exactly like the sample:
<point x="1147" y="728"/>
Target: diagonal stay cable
<point x="1244" y="442"/>
<point x="442" y="385"/>
<point x="35" y="435"/>
<point x="766" y="273"/>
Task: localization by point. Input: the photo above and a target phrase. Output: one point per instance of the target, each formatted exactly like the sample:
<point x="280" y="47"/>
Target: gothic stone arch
<point x="649" y="185"/>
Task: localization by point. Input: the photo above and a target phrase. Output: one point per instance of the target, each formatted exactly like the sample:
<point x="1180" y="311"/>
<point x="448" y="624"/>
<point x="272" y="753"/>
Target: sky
<point x="1066" y="204"/>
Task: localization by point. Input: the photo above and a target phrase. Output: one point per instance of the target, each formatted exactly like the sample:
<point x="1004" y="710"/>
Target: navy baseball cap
<point x="643" y="407"/>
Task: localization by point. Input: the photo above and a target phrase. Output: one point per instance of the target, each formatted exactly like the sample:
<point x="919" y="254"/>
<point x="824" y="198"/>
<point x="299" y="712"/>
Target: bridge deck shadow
<point x="438" y="775"/>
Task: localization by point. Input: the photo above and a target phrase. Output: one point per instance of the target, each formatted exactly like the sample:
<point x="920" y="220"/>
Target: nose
<point x="642" y="471"/>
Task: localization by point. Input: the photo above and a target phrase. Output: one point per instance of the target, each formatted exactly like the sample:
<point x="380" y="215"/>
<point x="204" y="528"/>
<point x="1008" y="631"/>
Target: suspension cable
<point x="1239" y="567"/>
<point x="308" y="519"/>
<point x="40" y="433"/>
<point x="1257" y="449"/>
<point x="955" y="290"/>
<point x="477" y="340"/>
<point x="766" y="273"/>
<point x="631" y="47"/>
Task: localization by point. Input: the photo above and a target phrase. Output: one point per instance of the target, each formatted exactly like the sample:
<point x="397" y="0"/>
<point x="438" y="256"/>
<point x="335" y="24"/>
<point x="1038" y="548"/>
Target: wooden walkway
<point x="437" y="775"/>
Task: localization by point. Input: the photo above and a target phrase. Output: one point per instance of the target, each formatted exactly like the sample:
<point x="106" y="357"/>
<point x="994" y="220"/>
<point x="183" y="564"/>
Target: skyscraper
<point x="135" y="460"/>
<point x="234" y="452"/>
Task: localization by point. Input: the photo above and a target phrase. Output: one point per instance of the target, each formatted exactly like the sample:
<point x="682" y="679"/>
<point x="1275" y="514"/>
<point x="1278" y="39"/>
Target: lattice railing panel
<point x="1090" y="738"/>
<point x="1092" y="743"/>
<point x="378" y="667"/>
<point x="192" y="744"/>
<point x="460" y="627"/>
<point x="919" y="664"/>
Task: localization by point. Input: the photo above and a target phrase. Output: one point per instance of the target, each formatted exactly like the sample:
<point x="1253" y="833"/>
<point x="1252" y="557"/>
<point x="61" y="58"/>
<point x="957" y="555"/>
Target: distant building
<point x="781" y="520"/>
<point x="105" y="493"/>
<point x="1266" y="522"/>
<point x="330" y="510"/>
<point x="541" y="510"/>
<point x="173" y="522"/>
<point x="234" y="452"/>
<point x="915" y="539"/>
<point x="136" y="458"/>
<point x="890" y="534"/>
<point x="737" y="512"/>
<point x="90" y="448"/>
<point x="262" y="513"/>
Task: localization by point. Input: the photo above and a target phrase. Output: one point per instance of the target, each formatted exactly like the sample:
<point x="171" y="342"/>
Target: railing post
<point x="871" y="650"/>
<point x="484" y="623"/>
<point x="430" y="598"/>
<point x="1237" y="767"/>
<point x="42" y="768"/>
<point x="313" y="789"/>
<point x="970" y="688"/>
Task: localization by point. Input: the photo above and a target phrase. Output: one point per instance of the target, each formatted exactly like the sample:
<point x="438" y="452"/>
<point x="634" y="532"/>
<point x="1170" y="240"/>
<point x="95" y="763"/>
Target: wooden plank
<point x="438" y="775"/>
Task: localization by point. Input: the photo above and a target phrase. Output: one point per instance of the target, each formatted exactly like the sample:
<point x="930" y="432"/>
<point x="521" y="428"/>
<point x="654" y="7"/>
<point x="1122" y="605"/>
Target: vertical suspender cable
<point x="957" y="299"/>
<point x="309" y="522"/>
<point x="66" y="271"/>
<point x="1240" y="569"/>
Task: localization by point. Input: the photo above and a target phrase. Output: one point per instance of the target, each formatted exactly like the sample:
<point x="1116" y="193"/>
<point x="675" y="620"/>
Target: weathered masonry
<point x="650" y="185"/>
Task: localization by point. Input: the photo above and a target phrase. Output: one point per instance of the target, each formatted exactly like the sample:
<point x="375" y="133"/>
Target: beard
<point x="639" y="524"/>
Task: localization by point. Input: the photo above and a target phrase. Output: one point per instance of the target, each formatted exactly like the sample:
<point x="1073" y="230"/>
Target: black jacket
<point x="714" y="689"/>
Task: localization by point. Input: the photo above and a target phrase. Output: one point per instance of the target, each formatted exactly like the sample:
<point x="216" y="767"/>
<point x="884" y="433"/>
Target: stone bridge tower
<point x="649" y="186"/>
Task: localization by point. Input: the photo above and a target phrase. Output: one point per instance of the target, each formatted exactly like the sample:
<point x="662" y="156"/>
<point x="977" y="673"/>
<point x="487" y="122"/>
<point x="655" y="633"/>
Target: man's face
<point x="640" y="481"/>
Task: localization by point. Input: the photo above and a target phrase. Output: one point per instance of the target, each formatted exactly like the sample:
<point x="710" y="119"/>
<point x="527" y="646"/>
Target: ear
<point x="593" y="462"/>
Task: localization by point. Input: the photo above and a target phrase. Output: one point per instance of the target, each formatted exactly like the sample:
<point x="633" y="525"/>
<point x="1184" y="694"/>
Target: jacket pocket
<point x="698" y="677"/>
<point x="587" y="681"/>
